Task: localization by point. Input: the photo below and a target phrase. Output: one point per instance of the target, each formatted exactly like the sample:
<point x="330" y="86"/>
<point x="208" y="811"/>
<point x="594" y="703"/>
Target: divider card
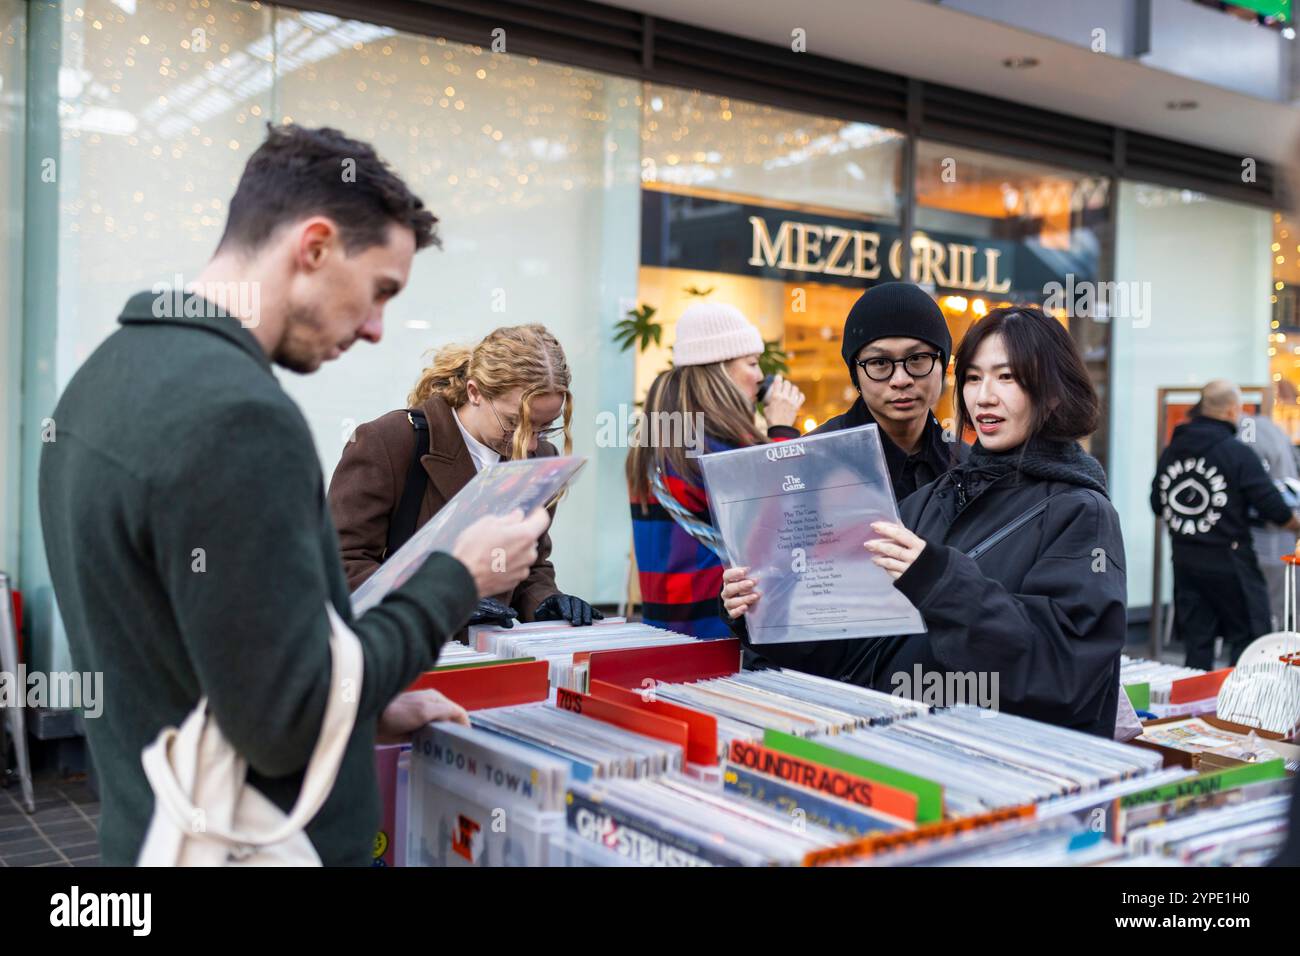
<point x="1207" y="783"/>
<point x="629" y="718"/>
<point x="797" y="514"/>
<point x="929" y="795"/>
<point x="853" y="821"/>
<point x="496" y="490"/>
<point x="896" y="802"/>
<point x="497" y="685"/>
<point x="701" y="728"/>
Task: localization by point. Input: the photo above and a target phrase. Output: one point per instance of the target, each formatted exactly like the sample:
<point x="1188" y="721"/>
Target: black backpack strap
<point x="1010" y="527"/>
<point x="402" y="524"/>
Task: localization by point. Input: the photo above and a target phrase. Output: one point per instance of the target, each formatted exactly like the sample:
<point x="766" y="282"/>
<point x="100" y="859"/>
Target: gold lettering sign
<point x="824" y="248"/>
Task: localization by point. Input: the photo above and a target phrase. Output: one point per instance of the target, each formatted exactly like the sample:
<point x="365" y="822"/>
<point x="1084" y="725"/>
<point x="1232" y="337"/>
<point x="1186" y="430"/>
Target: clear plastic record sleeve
<point x="496" y="490"/>
<point x="797" y="513"/>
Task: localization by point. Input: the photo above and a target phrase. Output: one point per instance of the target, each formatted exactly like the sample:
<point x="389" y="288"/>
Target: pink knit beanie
<point x="710" y="332"/>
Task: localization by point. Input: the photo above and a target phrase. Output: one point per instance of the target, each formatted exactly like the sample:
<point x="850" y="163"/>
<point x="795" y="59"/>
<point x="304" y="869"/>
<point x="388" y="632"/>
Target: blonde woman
<point x="705" y="401"/>
<point x="473" y="406"/>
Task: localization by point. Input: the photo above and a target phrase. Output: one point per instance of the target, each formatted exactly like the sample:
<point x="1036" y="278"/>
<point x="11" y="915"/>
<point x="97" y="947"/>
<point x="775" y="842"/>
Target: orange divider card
<point x="943" y="830"/>
<point x="828" y="780"/>
<point x="1200" y="687"/>
<point x="699" y="660"/>
<point x="629" y="718"/>
<point x="495" y="685"/>
<point x="701" y="728"/>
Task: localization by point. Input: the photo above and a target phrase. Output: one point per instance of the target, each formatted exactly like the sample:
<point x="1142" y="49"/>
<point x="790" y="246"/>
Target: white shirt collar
<point x="481" y="454"/>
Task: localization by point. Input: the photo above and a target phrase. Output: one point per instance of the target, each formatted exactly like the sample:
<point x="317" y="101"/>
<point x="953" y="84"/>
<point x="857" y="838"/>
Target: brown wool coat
<point x="368" y="483"/>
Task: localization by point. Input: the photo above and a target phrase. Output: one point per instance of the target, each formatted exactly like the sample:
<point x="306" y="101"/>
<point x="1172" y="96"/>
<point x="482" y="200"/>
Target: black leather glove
<point x="492" y="611"/>
<point x="568" y="608"/>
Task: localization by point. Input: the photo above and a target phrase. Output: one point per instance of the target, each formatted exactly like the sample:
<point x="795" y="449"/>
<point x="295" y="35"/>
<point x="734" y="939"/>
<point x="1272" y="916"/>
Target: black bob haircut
<point x="1047" y="365"/>
<point x="300" y="172"/>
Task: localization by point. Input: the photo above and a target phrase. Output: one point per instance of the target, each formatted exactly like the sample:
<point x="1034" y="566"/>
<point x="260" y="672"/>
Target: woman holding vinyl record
<point x="472" y="407"/>
<point x="1014" y="557"/>
<point x="705" y="403"/>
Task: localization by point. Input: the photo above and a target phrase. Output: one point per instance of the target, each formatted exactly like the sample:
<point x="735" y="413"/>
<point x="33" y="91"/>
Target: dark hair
<point x="1047" y="365"/>
<point x="300" y="172"/>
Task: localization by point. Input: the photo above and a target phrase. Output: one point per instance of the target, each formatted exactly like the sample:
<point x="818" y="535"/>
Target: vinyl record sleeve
<point x="496" y="490"/>
<point x="797" y="514"/>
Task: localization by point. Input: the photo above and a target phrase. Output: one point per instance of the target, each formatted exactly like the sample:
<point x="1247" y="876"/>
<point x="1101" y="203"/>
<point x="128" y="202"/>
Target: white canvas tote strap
<point x="347" y="666"/>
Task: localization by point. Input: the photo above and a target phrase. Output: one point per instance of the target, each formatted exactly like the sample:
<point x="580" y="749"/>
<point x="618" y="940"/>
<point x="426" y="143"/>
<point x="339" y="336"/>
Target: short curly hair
<point x="299" y="172"/>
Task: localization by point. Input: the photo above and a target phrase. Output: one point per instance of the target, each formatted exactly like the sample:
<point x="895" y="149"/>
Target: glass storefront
<point x="1284" y="328"/>
<point x="531" y="167"/>
<point x="1201" y="268"/>
<point x="13" y="18"/>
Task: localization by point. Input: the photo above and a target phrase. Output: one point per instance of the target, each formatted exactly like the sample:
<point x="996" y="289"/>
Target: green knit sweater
<point x="192" y="553"/>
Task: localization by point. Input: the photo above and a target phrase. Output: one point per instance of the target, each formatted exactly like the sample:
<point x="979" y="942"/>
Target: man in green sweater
<point x="189" y="542"/>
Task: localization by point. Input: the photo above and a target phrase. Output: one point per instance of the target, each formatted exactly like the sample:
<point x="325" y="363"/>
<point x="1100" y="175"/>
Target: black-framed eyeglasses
<point x="881" y="369"/>
<point x="545" y="434"/>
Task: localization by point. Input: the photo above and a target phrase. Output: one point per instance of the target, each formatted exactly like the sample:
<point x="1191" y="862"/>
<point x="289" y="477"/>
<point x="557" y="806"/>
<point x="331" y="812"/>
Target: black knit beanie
<point x="894" y="309"/>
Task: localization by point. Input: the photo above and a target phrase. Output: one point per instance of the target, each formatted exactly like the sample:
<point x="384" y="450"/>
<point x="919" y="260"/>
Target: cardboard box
<point x="1174" y="757"/>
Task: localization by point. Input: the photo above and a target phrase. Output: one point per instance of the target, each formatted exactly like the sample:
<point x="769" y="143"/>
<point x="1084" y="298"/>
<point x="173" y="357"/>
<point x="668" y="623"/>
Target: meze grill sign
<point x="692" y="232"/>
<point x="839" y="251"/>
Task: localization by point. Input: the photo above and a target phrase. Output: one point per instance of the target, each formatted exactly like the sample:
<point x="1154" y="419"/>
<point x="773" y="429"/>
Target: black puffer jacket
<point x="1044" y="608"/>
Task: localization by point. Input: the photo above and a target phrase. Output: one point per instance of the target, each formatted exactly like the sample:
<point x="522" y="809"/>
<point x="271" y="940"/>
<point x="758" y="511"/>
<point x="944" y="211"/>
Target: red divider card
<point x="701" y="728"/>
<point x="1200" y="687"/>
<point x="494" y="685"/>
<point x="634" y="666"/>
<point x="638" y="721"/>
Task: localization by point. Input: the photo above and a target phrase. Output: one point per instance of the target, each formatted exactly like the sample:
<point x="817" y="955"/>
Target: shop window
<point x="993" y="231"/>
<point x="785" y="215"/>
<point x="1284" y="331"/>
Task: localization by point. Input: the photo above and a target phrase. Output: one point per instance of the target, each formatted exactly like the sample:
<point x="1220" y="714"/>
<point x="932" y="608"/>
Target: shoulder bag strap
<point x="402" y="525"/>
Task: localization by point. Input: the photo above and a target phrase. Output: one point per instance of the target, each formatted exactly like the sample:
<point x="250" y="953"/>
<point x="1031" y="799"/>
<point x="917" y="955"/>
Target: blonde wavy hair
<point x="527" y="357"/>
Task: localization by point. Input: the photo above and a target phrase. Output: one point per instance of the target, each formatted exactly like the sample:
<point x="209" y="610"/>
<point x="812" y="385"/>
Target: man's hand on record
<point x="407" y="713"/>
<point x="499" y="551"/>
<point x="896" y="548"/>
<point x="739" y="592"/>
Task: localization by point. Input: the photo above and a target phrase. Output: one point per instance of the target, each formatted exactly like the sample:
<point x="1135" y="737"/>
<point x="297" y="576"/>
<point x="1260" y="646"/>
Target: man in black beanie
<point x="896" y="346"/>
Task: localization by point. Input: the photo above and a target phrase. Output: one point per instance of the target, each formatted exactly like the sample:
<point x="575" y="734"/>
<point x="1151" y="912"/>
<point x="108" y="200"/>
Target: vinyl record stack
<point x="672" y="756"/>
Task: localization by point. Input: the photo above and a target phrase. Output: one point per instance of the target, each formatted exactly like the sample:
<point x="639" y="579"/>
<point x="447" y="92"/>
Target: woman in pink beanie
<point x="705" y="403"/>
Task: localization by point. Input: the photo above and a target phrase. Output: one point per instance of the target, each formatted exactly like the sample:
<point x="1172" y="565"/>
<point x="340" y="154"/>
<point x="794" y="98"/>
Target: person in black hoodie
<point x="1206" y="482"/>
<point x="1038" y="608"/>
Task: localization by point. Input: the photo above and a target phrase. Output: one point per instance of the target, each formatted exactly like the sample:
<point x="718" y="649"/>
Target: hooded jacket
<point x="1044" y="610"/>
<point x="1205" y="484"/>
